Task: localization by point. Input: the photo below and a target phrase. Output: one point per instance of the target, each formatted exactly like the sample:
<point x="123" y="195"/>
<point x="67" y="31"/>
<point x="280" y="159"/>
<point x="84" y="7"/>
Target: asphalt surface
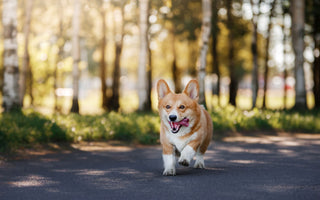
<point x="266" y="167"/>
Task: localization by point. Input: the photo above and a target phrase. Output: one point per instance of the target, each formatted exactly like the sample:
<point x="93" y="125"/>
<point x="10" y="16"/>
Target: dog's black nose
<point x="172" y="117"/>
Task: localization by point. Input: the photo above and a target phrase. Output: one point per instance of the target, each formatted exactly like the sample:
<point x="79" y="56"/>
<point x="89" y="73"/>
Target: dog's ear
<point x="162" y="89"/>
<point x="192" y="90"/>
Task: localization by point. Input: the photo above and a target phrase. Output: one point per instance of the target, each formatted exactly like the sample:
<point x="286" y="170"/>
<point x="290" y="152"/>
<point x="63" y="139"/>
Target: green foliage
<point x="28" y="127"/>
<point x="141" y="128"/>
<point x="232" y="119"/>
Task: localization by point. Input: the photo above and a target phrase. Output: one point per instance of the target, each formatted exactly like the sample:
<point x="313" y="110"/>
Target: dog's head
<point x="178" y="112"/>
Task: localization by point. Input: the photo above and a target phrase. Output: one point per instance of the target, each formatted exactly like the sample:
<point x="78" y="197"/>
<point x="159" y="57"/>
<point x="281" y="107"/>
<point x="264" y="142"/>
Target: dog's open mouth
<point x="175" y="126"/>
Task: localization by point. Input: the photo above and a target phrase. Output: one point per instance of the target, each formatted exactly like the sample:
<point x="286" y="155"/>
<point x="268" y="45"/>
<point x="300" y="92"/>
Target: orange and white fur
<point x="186" y="127"/>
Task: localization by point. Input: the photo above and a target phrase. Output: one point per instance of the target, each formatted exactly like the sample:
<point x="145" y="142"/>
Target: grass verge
<point x="29" y="128"/>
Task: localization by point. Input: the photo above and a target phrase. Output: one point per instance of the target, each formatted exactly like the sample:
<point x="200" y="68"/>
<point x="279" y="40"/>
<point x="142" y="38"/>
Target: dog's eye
<point x="168" y="107"/>
<point x="182" y="107"/>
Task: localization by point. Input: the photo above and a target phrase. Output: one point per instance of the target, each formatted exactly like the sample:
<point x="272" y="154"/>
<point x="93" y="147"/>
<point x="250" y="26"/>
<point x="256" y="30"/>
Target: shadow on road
<point x="265" y="167"/>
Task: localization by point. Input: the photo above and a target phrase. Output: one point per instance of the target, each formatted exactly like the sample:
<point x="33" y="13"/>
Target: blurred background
<point x="91" y="52"/>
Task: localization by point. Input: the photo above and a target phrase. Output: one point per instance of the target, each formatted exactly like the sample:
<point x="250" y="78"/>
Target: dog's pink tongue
<point x="184" y="122"/>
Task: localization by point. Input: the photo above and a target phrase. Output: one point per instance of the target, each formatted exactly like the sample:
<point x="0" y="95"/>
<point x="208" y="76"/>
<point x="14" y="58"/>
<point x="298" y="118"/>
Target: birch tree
<point x="11" y="99"/>
<point x="205" y="35"/>
<point x="76" y="55"/>
<point x="143" y="56"/>
<point x="298" y="20"/>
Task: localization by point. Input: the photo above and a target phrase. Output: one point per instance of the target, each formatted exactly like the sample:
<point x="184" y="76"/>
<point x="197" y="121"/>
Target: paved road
<point x="265" y="167"/>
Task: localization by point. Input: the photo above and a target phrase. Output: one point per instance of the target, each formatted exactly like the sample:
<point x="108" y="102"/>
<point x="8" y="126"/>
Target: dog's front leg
<point x="169" y="160"/>
<point x="188" y="153"/>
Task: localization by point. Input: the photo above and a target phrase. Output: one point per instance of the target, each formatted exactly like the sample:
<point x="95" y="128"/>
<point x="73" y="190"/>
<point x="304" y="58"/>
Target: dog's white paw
<point x="186" y="156"/>
<point x="184" y="162"/>
<point x="199" y="162"/>
<point x="169" y="172"/>
<point x="169" y="162"/>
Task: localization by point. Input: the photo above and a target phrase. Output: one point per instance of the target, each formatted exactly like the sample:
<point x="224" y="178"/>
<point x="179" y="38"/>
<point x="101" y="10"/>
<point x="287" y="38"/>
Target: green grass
<point x="28" y="127"/>
<point x="231" y="119"/>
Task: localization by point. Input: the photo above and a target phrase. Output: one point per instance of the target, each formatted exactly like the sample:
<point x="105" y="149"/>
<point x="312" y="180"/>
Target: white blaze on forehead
<point x="175" y="106"/>
<point x="178" y="103"/>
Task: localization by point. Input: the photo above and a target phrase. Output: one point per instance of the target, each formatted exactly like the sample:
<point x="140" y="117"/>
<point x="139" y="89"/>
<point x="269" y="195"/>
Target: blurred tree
<point x="214" y="45"/>
<point x="267" y="56"/>
<point x="119" y="23"/>
<point x="285" y="30"/>
<point x="76" y="55"/>
<point x="148" y="105"/>
<point x="205" y="36"/>
<point x="254" y="50"/>
<point x="26" y="68"/>
<point x="298" y="22"/>
<point x="103" y="67"/>
<point x="143" y="54"/>
<point x="11" y="99"/>
<point x="316" y="62"/>
<point x="233" y="87"/>
<point x="176" y="74"/>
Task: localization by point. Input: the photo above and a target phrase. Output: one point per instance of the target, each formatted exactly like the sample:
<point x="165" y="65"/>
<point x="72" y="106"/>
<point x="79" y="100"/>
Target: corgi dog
<point x="186" y="127"/>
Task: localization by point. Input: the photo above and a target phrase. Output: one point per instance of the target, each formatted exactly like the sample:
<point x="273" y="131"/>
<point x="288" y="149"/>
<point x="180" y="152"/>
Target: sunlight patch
<point x="92" y="172"/>
<point x="32" y="181"/>
<point x="246" y="162"/>
<point x="101" y="146"/>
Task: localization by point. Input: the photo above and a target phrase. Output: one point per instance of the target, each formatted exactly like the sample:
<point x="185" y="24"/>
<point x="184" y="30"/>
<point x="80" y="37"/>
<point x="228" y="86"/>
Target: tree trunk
<point x="103" y="62"/>
<point x="215" y="62"/>
<point x="116" y="80"/>
<point x="285" y="65"/>
<point x="114" y="102"/>
<point x="11" y="99"/>
<point x="266" y="67"/>
<point x="233" y="88"/>
<point x="143" y="56"/>
<point x="174" y="68"/>
<point x="316" y="62"/>
<point x="26" y="56"/>
<point x="76" y="55"/>
<point x="205" y="35"/>
<point x="193" y="57"/>
<point x="148" y="106"/>
<point x="254" y="51"/>
<point x="30" y="85"/>
<point x="298" y="20"/>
